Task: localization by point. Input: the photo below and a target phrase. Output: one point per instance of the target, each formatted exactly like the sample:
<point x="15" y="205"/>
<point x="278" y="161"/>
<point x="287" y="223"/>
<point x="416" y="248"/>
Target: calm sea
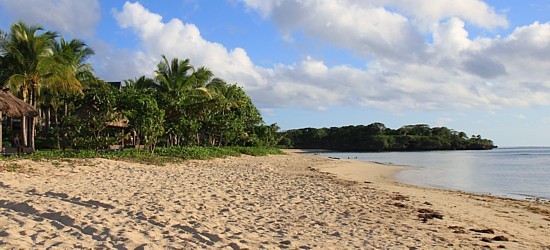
<point x="511" y="172"/>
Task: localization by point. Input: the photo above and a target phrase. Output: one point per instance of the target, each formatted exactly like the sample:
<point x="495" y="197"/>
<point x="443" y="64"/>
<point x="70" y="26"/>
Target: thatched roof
<point x="15" y="107"/>
<point x="119" y="123"/>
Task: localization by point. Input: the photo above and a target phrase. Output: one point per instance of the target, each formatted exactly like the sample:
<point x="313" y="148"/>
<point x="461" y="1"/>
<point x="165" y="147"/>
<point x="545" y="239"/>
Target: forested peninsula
<point x="376" y="137"/>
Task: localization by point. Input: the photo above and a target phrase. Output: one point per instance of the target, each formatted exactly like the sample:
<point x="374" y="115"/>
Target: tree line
<point x="181" y="105"/>
<point x="377" y="137"/>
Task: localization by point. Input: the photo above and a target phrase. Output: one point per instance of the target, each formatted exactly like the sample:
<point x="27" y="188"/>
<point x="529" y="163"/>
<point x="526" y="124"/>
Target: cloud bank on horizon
<point x="418" y="56"/>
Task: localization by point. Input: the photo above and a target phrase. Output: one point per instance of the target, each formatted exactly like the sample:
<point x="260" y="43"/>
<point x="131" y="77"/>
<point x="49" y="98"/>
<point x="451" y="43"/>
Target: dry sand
<point x="287" y="201"/>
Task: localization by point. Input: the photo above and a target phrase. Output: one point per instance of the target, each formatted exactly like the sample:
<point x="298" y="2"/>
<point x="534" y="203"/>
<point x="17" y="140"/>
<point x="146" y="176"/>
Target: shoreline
<point x="355" y="170"/>
<point x="461" y="203"/>
<point x="390" y="174"/>
<point x="363" y="171"/>
<point x="277" y="201"/>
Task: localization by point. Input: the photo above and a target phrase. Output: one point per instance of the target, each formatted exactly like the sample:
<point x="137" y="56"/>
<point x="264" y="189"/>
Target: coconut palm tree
<point x="73" y="70"/>
<point x="27" y="56"/>
<point x="172" y="77"/>
<point x="179" y="86"/>
<point x="232" y="115"/>
<point x="141" y="83"/>
<point x="70" y="74"/>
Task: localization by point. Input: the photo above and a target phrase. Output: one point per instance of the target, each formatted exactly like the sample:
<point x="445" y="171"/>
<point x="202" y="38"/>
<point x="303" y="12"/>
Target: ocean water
<point x="517" y="173"/>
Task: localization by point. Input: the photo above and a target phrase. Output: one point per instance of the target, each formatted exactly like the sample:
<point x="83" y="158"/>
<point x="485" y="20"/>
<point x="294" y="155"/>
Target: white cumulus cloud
<point x="404" y="69"/>
<point x="183" y="40"/>
<point x="476" y="12"/>
<point x="374" y="28"/>
<point x="76" y="18"/>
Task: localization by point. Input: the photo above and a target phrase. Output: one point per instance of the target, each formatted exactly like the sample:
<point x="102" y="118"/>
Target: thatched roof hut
<point x="13" y="107"/>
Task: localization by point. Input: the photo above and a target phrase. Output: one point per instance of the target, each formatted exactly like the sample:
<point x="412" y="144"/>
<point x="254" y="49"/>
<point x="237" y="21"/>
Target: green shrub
<point x="162" y="154"/>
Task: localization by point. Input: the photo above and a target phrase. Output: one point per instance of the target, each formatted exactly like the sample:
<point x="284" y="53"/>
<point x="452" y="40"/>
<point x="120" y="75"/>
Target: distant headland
<point x="376" y="137"/>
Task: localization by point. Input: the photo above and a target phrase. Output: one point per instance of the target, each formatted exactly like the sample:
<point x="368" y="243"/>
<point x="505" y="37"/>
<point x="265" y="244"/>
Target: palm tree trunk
<point x="47" y="119"/>
<point x="56" y="125"/>
<point x="24" y="130"/>
<point x="32" y="132"/>
<point x="29" y="132"/>
<point x="24" y="120"/>
<point x="32" y="120"/>
<point x="197" y="139"/>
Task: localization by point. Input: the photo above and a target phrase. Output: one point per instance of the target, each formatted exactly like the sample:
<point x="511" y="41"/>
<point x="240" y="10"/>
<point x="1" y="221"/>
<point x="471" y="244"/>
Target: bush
<point x="162" y="155"/>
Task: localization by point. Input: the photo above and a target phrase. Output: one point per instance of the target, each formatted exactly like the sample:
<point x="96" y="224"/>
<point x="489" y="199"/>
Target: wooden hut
<point x="12" y="106"/>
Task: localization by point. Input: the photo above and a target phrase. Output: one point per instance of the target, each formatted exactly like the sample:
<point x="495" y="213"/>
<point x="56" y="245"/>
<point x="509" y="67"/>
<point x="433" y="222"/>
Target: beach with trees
<point x="181" y="159"/>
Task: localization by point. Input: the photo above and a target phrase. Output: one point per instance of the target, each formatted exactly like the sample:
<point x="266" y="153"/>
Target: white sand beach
<point x="286" y="201"/>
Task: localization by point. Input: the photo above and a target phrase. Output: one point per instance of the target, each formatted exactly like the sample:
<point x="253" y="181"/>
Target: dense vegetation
<point x="376" y="137"/>
<point x="163" y="155"/>
<point x="180" y="106"/>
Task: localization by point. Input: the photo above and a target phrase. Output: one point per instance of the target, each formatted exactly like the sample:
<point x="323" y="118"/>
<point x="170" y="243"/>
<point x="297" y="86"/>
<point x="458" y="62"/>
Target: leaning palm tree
<point x="27" y="54"/>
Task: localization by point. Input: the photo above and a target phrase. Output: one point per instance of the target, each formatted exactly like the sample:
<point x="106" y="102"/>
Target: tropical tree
<point x="71" y="74"/>
<point x="179" y="88"/>
<point x="236" y="117"/>
<point x="267" y="135"/>
<point x="210" y="116"/>
<point x="95" y="110"/>
<point x="376" y="128"/>
<point x="142" y="83"/>
<point x="172" y="76"/>
<point x="27" y="60"/>
<point x="143" y="114"/>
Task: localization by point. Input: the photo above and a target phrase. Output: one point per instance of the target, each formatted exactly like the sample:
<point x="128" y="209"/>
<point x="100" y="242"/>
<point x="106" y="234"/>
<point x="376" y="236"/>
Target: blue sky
<point x="482" y="67"/>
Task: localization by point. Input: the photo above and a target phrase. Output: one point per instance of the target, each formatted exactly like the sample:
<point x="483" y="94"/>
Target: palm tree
<point x="27" y="55"/>
<point x="178" y="86"/>
<point x="73" y="70"/>
<point x="70" y="75"/>
<point x="141" y="83"/>
<point x="200" y="78"/>
<point x="172" y="76"/>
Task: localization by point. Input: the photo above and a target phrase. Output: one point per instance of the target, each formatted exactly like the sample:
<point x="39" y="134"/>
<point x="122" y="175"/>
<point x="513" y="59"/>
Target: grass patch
<point x="162" y="154"/>
<point x="10" y="167"/>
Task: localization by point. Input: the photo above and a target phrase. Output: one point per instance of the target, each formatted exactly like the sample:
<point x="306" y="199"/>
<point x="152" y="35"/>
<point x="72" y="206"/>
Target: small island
<point x="376" y="137"/>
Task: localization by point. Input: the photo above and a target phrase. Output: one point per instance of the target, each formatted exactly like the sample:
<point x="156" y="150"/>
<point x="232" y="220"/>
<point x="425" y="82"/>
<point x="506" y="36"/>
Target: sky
<point x="481" y="67"/>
